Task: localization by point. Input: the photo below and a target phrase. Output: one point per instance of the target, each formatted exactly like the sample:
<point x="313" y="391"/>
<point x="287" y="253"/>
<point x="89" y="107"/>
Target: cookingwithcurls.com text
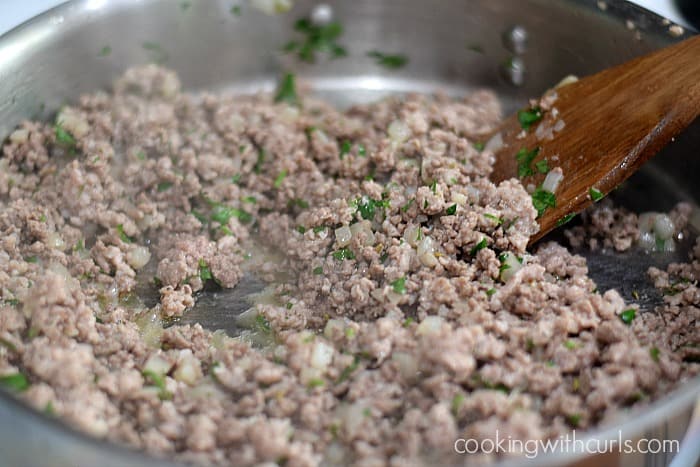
<point x="568" y="443"/>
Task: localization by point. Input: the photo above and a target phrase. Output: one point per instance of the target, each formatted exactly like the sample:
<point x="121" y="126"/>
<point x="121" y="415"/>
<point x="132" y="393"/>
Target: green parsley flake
<point x="235" y="10"/>
<point x="318" y="38"/>
<point x="122" y="235"/>
<point x="15" y="382"/>
<point x="433" y="187"/>
<point x="361" y="151"/>
<point x="542" y="200"/>
<point x="655" y="353"/>
<point x="286" y="92"/>
<point x="628" y="315"/>
<point x="63" y="137"/>
<point x="528" y="117"/>
<point x="301" y="229"/>
<point x="566" y="219"/>
<point x="156" y="52"/>
<point x="596" y="195"/>
<point x="367" y="206"/>
<point x="222" y="213"/>
<point x="164" y="186"/>
<point x="249" y="199"/>
<point x="490" y="292"/>
<point x="159" y="382"/>
<point x="204" y="271"/>
<point x="569" y="344"/>
<point x="348" y="370"/>
<point x="479" y="246"/>
<point x="280" y="178"/>
<point x="260" y="161"/>
<point x="343" y="254"/>
<point x="452" y="210"/>
<point x="315" y="383"/>
<point x="319" y="228"/>
<point x="479" y="146"/>
<point x="542" y="166"/>
<point x="262" y="324"/>
<point x="31" y="259"/>
<point x="525" y="158"/>
<point x="318" y="270"/>
<point x="345" y="147"/>
<point x="496" y="219"/>
<point x="399" y="285"/>
<point x="391" y="61"/>
<point x="105" y="51"/>
<point x="457" y="402"/>
<point x="574" y="419"/>
<point x="408" y="204"/>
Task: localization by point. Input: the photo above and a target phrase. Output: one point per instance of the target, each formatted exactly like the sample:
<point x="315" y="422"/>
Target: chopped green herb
<point x="496" y="219"/>
<point x="425" y="204"/>
<point x="490" y="292"/>
<point x="628" y="315"/>
<point x="343" y="254"/>
<point x="475" y="48"/>
<point x="350" y="333"/>
<point x="576" y="384"/>
<point x="566" y="219"/>
<point x="105" y="51"/>
<point x="433" y="187"/>
<point x="298" y="202"/>
<point x="286" y="92"/>
<point x="452" y="210"/>
<point x="596" y="195"/>
<point x="383" y="258"/>
<point x="408" y="204"/>
<point x="289" y="305"/>
<point x="361" y="151"/>
<point x="319" y="228"/>
<point x="301" y="229"/>
<point x="479" y="146"/>
<point x="345" y="147"/>
<point x="655" y="353"/>
<point x="79" y="245"/>
<point x="569" y="344"/>
<point x="367" y="206"/>
<point x="49" y="409"/>
<point x="525" y="158"/>
<point x="542" y="200"/>
<point x="31" y="259"/>
<point x="235" y="10"/>
<point x="141" y="155"/>
<point x="457" y="402"/>
<point x="479" y="246"/>
<point x="204" y="271"/>
<point x="159" y="382"/>
<point x="236" y="179"/>
<point x="222" y="213"/>
<point x="164" y="186"/>
<point x="542" y="166"/>
<point x="260" y="161"/>
<point x="157" y="54"/>
<point x="249" y="199"/>
<point x="315" y="383"/>
<point x="391" y="61"/>
<point x="318" y="270"/>
<point x="122" y="235"/>
<point x="407" y="322"/>
<point x="199" y="216"/>
<point x="399" y="285"/>
<point x="318" y="38"/>
<point x="280" y="178"/>
<point x="15" y="382"/>
<point x="63" y="137"/>
<point x="574" y="419"/>
<point x="348" y="370"/>
<point x="262" y="324"/>
<point x="528" y="117"/>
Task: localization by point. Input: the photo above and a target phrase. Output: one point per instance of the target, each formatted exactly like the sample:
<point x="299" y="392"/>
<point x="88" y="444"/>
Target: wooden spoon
<point x="613" y="122"/>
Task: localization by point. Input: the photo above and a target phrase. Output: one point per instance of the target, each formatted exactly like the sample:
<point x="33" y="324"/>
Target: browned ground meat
<point x="404" y="310"/>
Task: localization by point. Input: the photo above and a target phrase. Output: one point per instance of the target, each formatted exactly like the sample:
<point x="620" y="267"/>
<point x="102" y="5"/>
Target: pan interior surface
<point x="453" y="47"/>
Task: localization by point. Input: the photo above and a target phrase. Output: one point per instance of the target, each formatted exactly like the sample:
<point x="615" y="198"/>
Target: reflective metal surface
<point x="455" y="45"/>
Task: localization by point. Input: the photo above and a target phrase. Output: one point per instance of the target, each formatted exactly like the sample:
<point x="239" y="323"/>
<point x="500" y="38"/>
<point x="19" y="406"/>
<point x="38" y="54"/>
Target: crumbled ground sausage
<point x="404" y="310"/>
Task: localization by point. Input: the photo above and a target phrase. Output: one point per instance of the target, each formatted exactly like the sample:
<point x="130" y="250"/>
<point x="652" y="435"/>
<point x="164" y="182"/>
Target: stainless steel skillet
<point x="454" y="45"/>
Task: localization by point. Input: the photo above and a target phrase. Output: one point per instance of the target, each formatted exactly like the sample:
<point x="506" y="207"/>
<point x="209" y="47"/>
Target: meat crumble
<point x="403" y="309"/>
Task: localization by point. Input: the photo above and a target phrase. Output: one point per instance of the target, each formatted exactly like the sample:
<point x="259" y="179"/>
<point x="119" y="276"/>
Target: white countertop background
<point x="14" y="12"/>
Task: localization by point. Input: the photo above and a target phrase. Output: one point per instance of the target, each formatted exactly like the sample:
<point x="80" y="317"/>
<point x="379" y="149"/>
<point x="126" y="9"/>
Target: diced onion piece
<point x="398" y="132"/>
<point x="412" y="234"/>
<point x="352" y="417"/>
<point x="509" y="266"/>
<point x="157" y="365"/>
<point x="569" y="79"/>
<point x="647" y="240"/>
<point x="645" y="222"/>
<point x="343" y="235"/>
<point x="20" y="135"/>
<point x="138" y="257"/>
<point x="151" y="327"/>
<point x="459" y="199"/>
<point x="663" y="227"/>
<point x="188" y="370"/>
<point x="407" y="364"/>
<point x="495" y="143"/>
<point x="552" y="180"/>
<point x="430" y="325"/>
<point x="363" y="228"/>
<point x="426" y="252"/>
<point x="71" y="121"/>
<point x="334" y="328"/>
<point x="309" y="374"/>
<point x="321" y="355"/>
<point x="55" y="242"/>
